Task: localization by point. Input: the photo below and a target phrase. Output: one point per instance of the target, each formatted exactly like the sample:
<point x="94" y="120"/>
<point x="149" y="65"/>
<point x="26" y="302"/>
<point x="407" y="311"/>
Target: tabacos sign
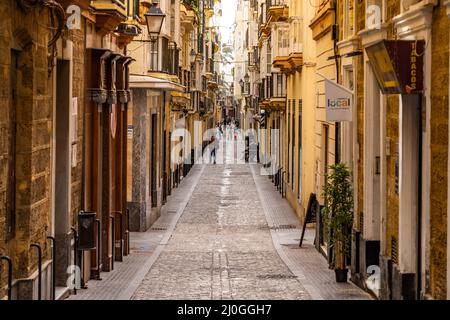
<point x="398" y="65"/>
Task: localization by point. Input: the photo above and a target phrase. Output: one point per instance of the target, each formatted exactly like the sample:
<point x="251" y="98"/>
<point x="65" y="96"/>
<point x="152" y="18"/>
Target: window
<point x="193" y="77"/>
<point x="269" y="57"/>
<point x="153" y="56"/>
<point x="136" y="7"/>
<point x="165" y="55"/>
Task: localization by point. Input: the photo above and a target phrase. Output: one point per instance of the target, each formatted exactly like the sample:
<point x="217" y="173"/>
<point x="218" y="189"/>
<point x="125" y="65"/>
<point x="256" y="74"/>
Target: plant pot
<point x="341" y="275"/>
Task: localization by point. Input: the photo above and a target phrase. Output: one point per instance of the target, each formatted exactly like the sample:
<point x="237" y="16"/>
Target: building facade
<point x="396" y="143"/>
<point x="95" y="109"/>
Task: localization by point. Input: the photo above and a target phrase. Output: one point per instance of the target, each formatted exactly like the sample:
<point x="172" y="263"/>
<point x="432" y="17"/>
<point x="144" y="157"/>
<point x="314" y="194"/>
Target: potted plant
<point x="337" y="215"/>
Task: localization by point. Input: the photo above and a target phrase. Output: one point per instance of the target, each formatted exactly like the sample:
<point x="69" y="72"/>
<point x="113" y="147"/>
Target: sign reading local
<point x="338" y="102"/>
<point x="398" y="65"/>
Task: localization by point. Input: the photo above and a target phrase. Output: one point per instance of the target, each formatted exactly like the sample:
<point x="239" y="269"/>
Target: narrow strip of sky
<point x="228" y="16"/>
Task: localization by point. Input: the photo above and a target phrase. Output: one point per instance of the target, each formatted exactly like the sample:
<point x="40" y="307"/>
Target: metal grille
<point x="361" y="222"/>
<point x="394" y="250"/>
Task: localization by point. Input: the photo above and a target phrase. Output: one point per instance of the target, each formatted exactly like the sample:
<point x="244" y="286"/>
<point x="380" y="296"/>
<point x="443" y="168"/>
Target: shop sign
<point x="398" y="65"/>
<point x="338" y="102"/>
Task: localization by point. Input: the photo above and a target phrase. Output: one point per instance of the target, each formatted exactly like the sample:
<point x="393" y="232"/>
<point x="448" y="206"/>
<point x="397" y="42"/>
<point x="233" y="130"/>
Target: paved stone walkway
<point x="221" y="247"/>
<point x="225" y="233"/>
<point x="145" y="249"/>
<point x="308" y="265"/>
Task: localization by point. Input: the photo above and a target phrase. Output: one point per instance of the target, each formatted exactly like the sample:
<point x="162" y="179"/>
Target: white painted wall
<point x="371" y="151"/>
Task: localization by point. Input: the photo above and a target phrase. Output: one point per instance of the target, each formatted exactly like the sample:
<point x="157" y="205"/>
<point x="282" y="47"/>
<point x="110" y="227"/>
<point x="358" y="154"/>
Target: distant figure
<point x="212" y="143"/>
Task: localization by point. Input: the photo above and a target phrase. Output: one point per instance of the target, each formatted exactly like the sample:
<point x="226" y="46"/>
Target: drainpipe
<point x="335" y="34"/>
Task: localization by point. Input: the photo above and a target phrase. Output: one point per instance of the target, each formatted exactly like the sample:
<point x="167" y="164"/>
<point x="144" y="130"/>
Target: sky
<point x="228" y="15"/>
<point x="226" y="30"/>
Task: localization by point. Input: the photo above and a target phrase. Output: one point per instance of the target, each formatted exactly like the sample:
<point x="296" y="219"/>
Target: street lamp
<point x="154" y="18"/>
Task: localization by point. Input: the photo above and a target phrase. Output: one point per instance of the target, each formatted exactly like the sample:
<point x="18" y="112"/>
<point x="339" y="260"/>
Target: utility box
<point x="86" y="230"/>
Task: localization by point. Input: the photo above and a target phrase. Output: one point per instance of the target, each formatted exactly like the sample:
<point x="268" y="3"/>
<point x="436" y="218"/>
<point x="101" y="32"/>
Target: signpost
<point x="338" y="102"/>
<point x="312" y="213"/>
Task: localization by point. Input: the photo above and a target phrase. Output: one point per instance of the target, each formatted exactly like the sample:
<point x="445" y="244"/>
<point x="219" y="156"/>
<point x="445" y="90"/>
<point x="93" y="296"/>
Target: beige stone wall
<point x="439" y="153"/>
<point x="33" y="132"/>
<point x="359" y="104"/>
<point x="392" y="130"/>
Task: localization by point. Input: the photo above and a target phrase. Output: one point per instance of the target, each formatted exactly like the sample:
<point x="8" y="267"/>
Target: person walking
<point x="212" y="144"/>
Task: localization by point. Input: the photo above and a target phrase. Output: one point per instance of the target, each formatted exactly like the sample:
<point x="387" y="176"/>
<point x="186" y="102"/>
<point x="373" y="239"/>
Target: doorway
<point x="153" y="187"/>
<point x="410" y="192"/>
<point x="62" y="172"/>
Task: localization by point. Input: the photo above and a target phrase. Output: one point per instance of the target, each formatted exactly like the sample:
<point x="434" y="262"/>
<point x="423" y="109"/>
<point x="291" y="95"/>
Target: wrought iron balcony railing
<point x="278" y="85"/>
<point x="273" y="86"/>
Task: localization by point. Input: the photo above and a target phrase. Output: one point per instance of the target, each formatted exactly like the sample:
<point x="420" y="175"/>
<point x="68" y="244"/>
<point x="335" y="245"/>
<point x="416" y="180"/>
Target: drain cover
<point x="276" y="276"/>
<point x="283" y="226"/>
<point x="158" y="229"/>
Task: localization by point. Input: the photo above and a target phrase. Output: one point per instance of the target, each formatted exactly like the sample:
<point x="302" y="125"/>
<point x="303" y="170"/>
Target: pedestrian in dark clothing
<point x="212" y="144"/>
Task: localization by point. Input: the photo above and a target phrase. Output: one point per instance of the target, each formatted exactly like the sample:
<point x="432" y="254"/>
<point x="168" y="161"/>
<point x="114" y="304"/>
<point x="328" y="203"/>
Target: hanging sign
<point x="398" y="65"/>
<point x="338" y="102"/>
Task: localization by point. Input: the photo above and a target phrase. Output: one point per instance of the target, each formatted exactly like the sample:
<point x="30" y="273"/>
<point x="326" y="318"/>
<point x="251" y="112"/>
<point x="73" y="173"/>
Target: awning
<point x="147" y="82"/>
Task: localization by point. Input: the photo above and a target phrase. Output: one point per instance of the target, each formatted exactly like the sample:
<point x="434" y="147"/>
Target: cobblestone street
<point x="222" y="247"/>
<point x="226" y="233"/>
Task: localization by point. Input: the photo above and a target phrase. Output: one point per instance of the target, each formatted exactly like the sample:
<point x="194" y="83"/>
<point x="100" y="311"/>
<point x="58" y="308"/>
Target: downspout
<point x="335" y="34"/>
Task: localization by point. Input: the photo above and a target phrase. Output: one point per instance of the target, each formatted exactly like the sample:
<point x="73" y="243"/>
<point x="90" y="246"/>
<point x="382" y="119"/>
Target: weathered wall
<point x="20" y="30"/>
<point x="359" y="190"/>
<point x="392" y="130"/>
<point x="439" y="153"/>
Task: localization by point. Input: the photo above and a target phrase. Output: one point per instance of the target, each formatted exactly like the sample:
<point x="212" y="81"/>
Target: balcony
<point x="209" y="68"/>
<point x="108" y="14"/>
<point x="195" y="101"/>
<point x="83" y="4"/>
<point x="289" y="52"/>
<point x="253" y="58"/>
<point x="181" y="102"/>
<point x="169" y="62"/>
<point x="209" y="105"/>
<point x="277" y="10"/>
<point x="209" y="8"/>
<point x="187" y="17"/>
<point x="213" y="82"/>
<point x="273" y="91"/>
<point x="263" y="26"/>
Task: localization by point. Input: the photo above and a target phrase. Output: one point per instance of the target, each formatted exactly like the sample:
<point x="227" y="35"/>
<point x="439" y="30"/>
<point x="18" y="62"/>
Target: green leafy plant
<point x="337" y="213"/>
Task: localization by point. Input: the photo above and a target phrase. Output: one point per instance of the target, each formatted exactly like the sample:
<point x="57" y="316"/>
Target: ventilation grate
<point x="361" y="222"/>
<point x="394" y="250"/>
